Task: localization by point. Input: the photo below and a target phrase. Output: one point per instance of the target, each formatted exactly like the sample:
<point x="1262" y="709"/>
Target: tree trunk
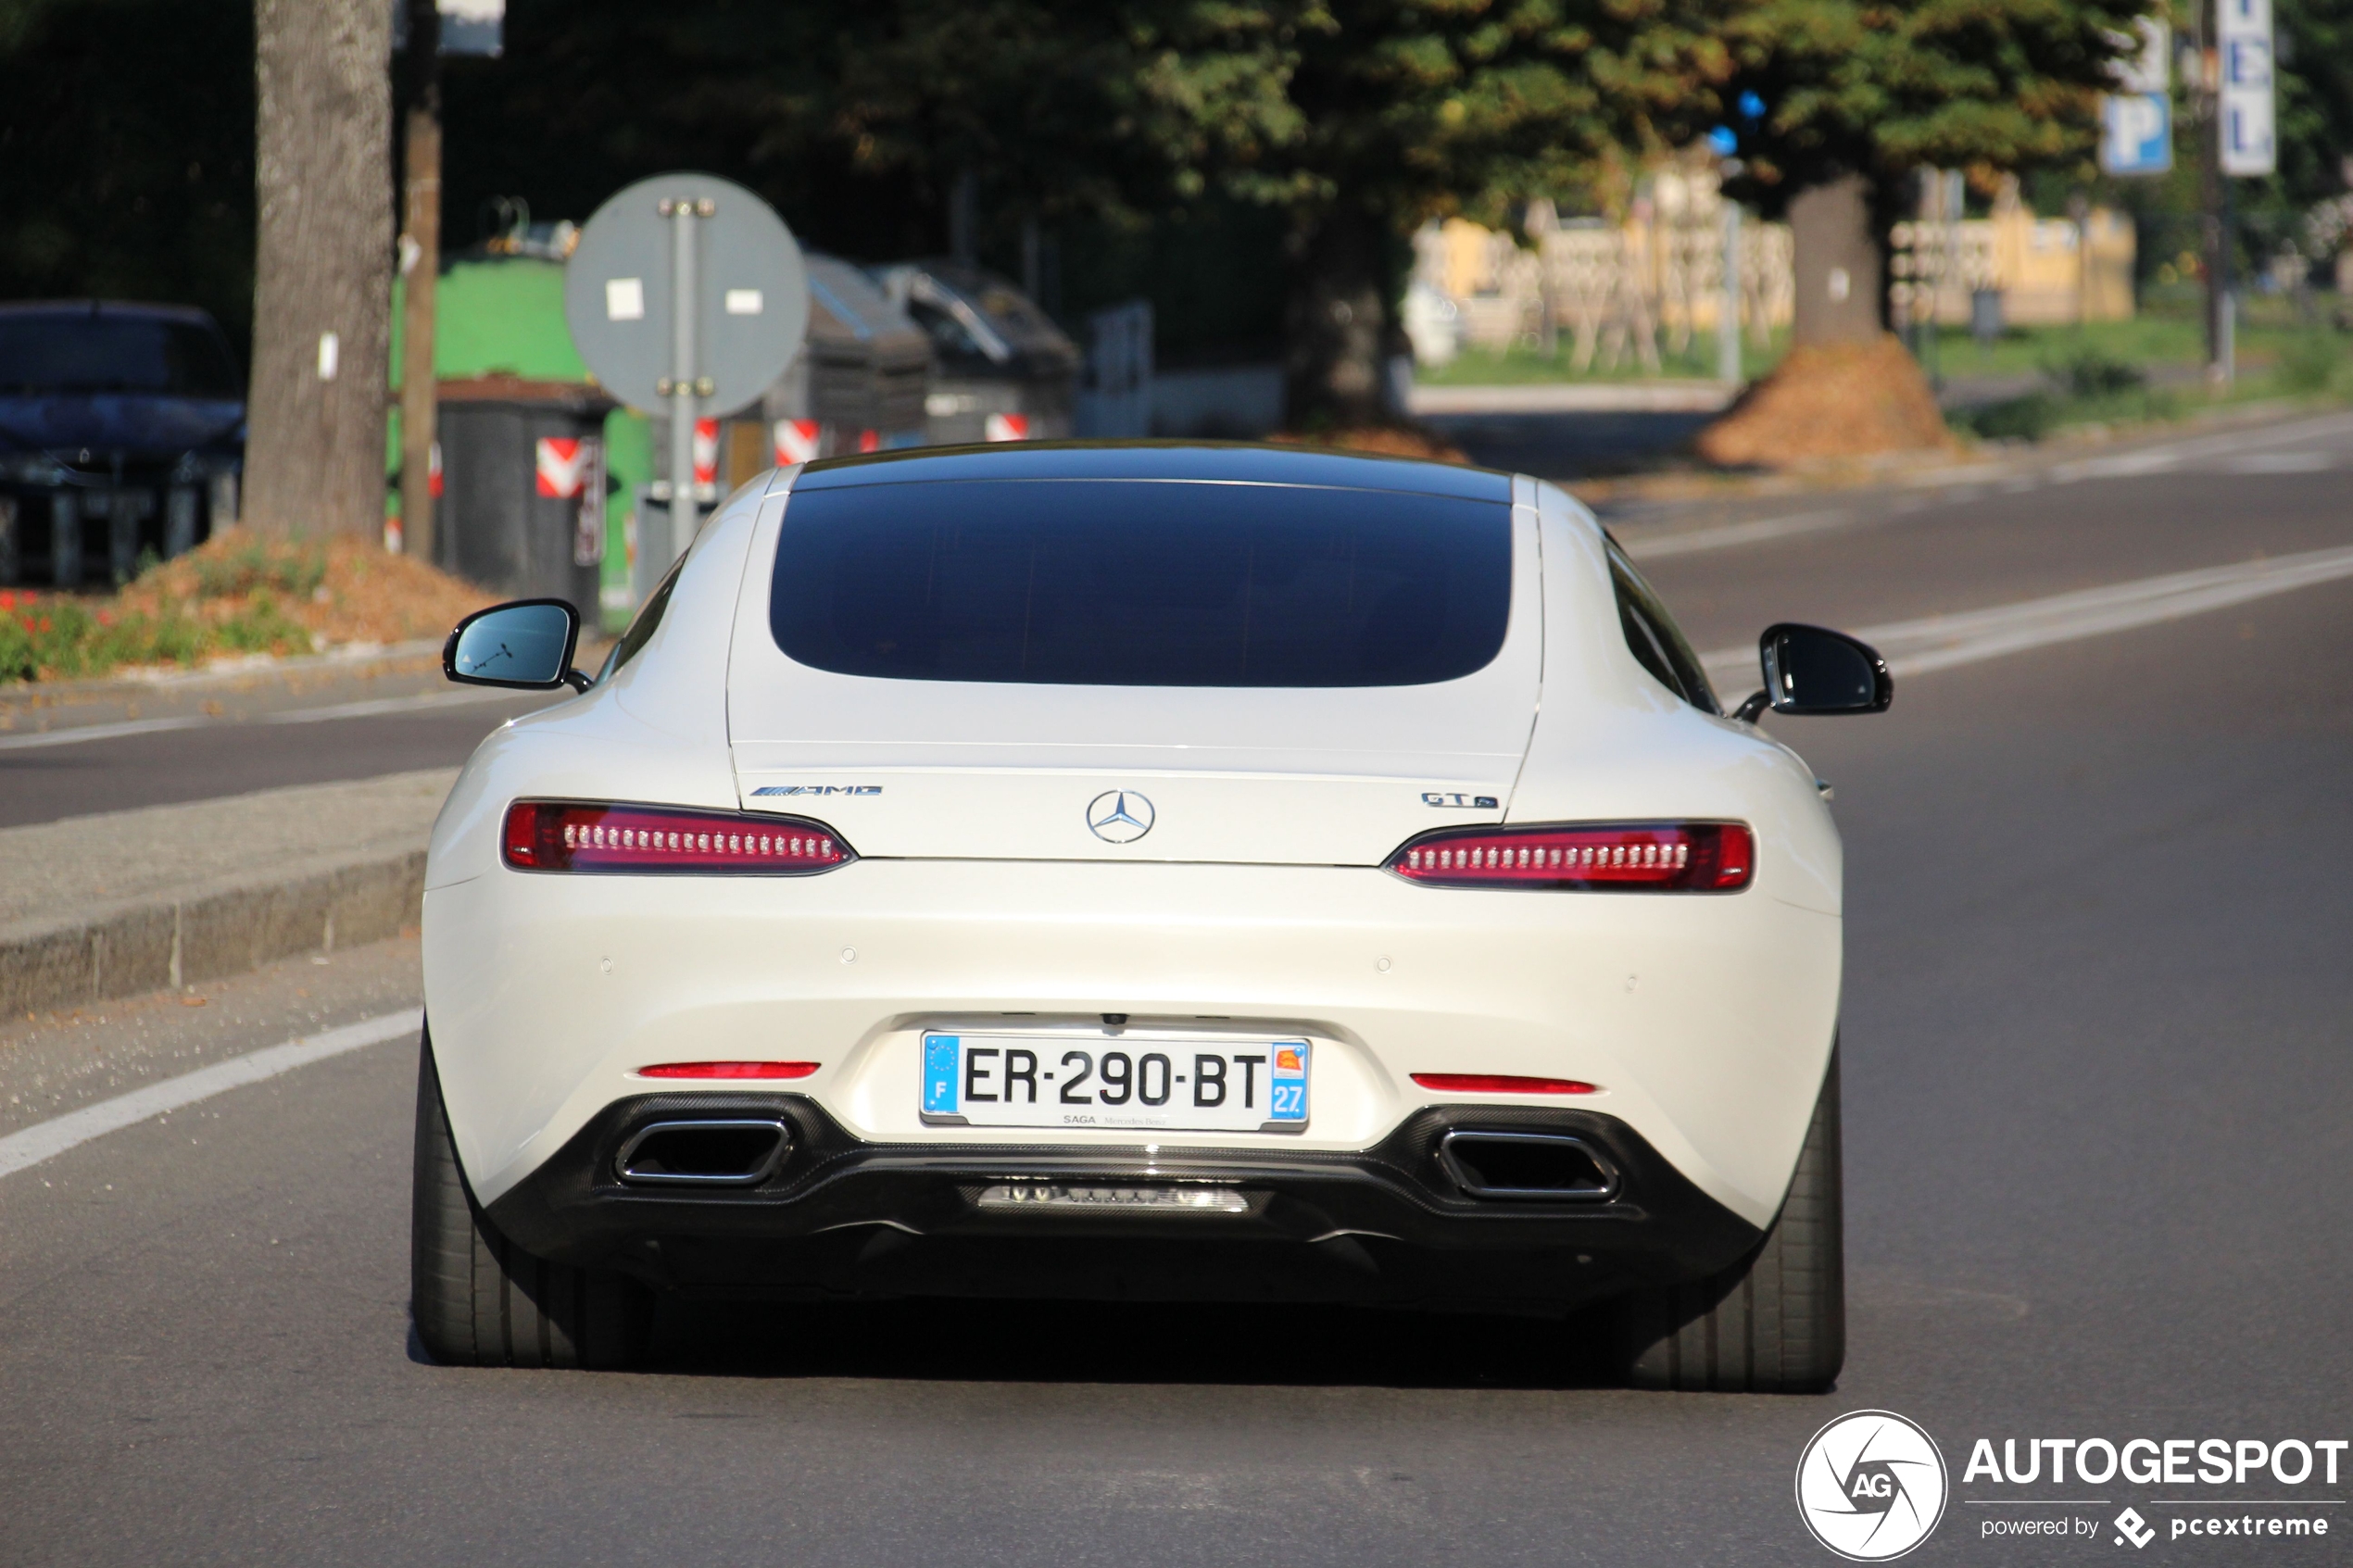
<point x="322" y="266"/>
<point x="421" y="268"/>
<point x="1837" y="264"/>
<point x="1336" y="325"/>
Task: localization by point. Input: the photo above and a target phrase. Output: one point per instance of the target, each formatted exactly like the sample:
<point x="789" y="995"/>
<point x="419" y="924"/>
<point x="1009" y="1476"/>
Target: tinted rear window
<point x="1142" y="583"/>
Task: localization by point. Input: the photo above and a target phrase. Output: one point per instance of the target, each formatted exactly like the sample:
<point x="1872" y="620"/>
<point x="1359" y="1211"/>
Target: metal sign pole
<point x="1727" y="305"/>
<point x="684" y="513"/>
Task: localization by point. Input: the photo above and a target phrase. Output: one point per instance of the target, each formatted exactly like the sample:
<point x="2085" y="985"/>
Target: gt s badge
<point x="819" y="789"/>
<point x="1474" y="802"/>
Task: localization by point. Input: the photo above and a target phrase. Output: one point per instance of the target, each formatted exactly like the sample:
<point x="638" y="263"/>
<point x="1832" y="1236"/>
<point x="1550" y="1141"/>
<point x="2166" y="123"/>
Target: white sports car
<point x="1140" y="872"/>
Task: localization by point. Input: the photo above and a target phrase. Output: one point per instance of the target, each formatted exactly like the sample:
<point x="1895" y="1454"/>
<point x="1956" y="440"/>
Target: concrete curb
<point x="148" y="945"/>
<point x="130" y="901"/>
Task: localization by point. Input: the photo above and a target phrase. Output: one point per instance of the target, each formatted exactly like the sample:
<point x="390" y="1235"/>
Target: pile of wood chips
<point x="1825" y="402"/>
<point x="342" y="589"/>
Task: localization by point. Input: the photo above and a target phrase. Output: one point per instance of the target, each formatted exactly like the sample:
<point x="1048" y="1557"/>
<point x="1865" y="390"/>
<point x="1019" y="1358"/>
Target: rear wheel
<point x="1774" y="1323"/>
<point x="478" y="1299"/>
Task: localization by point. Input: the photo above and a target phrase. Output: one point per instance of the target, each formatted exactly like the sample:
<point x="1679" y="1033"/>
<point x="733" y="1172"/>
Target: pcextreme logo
<point x="1871" y="1485"/>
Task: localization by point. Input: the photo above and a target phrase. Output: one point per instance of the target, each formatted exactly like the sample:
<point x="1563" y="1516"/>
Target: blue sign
<point x="2136" y="133"/>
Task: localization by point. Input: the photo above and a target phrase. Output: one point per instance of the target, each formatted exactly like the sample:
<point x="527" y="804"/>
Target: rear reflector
<point x="565" y="835"/>
<point x="1602" y="857"/>
<point x="729" y="1070"/>
<point x="1499" y="1083"/>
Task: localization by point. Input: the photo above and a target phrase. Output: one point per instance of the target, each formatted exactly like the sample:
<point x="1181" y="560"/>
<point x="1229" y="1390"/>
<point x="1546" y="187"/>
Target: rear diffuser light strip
<point x="1501" y="1083"/>
<point x="729" y="1070"/>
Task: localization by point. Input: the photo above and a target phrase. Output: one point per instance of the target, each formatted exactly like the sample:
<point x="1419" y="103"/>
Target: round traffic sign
<point x="750" y="287"/>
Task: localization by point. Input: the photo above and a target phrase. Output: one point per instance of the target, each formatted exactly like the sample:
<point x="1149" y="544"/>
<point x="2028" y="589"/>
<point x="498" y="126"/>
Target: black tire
<point x="1774" y="1323"/>
<point x="478" y="1299"/>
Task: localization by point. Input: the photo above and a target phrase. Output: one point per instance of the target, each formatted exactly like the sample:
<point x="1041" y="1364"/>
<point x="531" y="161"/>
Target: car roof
<point x="188" y="313"/>
<point x="1228" y="462"/>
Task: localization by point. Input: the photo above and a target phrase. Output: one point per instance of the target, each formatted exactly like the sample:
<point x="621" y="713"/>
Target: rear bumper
<point x="1705" y="1021"/>
<point x="1390" y="1223"/>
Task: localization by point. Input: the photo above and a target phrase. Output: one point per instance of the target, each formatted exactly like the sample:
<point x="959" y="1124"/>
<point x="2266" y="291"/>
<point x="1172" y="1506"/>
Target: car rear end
<point x="1119" y="887"/>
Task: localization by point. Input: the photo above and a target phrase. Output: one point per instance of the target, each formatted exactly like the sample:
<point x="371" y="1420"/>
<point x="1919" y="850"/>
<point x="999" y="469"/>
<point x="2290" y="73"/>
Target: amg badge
<point x="818" y="789"/>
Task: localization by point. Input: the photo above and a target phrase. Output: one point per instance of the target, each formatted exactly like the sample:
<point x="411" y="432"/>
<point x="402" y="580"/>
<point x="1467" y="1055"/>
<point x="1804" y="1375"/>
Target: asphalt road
<point x="2098" y="1185"/>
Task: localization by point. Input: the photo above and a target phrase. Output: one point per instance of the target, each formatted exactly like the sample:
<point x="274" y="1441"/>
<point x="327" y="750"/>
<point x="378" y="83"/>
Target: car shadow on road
<point x="1307" y="1344"/>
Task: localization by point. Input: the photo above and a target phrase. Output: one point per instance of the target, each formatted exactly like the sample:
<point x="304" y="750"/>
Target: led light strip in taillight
<point x="570" y="836"/>
<point x="1600" y="857"/>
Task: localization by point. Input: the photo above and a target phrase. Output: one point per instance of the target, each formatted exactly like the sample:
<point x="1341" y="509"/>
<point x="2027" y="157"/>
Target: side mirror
<point x="1812" y="670"/>
<point x="527" y="644"/>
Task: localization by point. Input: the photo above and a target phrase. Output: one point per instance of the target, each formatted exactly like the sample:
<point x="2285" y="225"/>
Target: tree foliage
<point x="126" y="152"/>
<point x="1881" y="87"/>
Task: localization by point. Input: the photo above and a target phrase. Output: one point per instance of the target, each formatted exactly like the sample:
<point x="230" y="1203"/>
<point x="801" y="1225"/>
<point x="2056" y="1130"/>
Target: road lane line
<point x="1944" y="642"/>
<point x="98" y="731"/>
<point x="46" y="1140"/>
<point x="1698" y="539"/>
<point x="76" y="734"/>
<point x="2280" y="462"/>
<point x="383" y="705"/>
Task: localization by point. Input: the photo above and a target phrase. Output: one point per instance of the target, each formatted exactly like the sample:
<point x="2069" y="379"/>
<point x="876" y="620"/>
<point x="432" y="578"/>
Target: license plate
<point x="1148" y="1085"/>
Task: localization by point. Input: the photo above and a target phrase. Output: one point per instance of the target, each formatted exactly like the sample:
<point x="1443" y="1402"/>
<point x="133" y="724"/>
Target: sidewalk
<point x="132" y="901"/>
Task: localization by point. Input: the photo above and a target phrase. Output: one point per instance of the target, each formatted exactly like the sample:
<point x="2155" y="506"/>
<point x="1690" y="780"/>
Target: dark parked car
<point x="121" y="432"/>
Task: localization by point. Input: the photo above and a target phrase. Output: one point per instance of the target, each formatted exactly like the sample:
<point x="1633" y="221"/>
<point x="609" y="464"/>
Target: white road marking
<point x="1650" y="548"/>
<point x="385" y="704"/>
<point x="1942" y="642"/>
<point x="98" y="731"/>
<point x="2280" y="462"/>
<point x="46" y="1140"/>
<point x="76" y="734"/>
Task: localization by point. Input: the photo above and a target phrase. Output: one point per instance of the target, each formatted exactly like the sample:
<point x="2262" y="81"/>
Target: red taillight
<point x="729" y="1070"/>
<point x="1607" y="857"/>
<point x="562" y="835"/>
<point x="1499" y="1083"/>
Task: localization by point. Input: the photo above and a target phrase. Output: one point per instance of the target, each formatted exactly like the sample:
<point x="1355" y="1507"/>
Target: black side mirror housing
<point x="527" y="644"/>
<point x="1813" y="670"/>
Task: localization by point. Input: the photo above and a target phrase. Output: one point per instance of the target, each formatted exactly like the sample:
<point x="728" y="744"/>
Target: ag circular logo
<point x="1871" y="1485"/>
<point x="1119" y="816"/>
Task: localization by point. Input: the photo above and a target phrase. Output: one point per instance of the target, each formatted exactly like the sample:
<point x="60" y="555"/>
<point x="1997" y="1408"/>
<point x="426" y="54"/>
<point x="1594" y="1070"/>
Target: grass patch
<point x="2146" y="370"/>
<point x="1524" y="364"/>
<point x="57" y="637"/>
